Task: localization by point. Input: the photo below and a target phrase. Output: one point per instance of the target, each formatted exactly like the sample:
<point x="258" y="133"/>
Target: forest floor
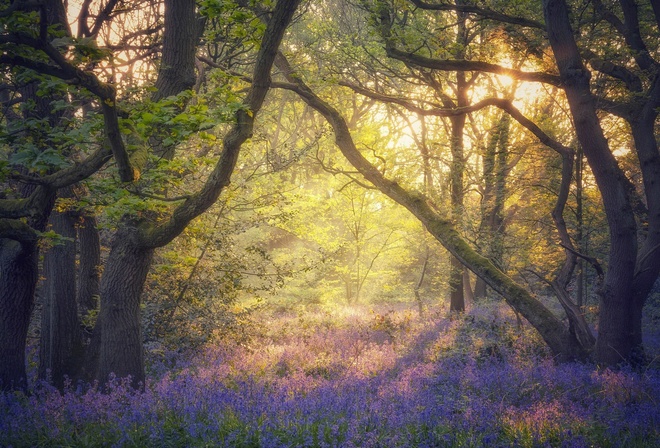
<point x="356" y="376"/>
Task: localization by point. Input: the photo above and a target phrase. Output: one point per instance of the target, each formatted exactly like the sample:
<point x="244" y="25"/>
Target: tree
<point x="620" y="313"/>
<point x="40" y="76"/>
<point x="120" y="350"/>
<point x="117" y="334"/>
<point x="634" y="258"/>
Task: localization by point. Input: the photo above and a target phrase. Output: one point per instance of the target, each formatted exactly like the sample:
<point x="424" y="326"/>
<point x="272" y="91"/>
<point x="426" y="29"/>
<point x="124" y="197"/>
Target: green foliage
<point x="230" y="22"/>
<point x="38" y="161"/>
<point x="51" y="238"/>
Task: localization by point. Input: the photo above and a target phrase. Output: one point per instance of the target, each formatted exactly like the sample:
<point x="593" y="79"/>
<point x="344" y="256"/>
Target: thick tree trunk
<point x="616" y="340"/>
<point x="60" y="352"/>
<point x="177" y="67"/>
<point x="89" y="292"/>
<point x="120" y="350"/>
<point x="18" y="280"/>
<point x="648" y="259"/>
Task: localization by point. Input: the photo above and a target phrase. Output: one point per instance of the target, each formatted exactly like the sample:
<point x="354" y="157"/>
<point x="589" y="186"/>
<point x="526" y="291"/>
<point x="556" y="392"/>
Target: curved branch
<point x="483" y="12"/>
<point x="383" y="17"/>
<point x="501" y="103"/>
<point x="471" y="66"/>
<point x="80" y="171"/>
<point x="631" y="80"/>
<point x="157" y="236"/>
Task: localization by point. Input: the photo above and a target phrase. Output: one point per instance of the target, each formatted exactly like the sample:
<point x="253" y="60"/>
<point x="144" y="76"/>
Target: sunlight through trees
<point x="316" y="195"/>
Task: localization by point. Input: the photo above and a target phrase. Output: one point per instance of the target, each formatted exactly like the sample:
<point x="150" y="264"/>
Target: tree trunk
<point x="89" y="291"/>
<point x="457" y="299"/>
<point x="418" y="285"/>
<point x="495" y="171"/>
<point x="120" y="333"/>
<point x="177" y="66"/>
<point x="60" y="352"/>
<point x="89" y="275"/>
<point x="18" y="280"/>
<point x="579" y="218"/>
<point x="616" y="340"/>
<point x="480" y="289"/>
<point x="467" y="286"/>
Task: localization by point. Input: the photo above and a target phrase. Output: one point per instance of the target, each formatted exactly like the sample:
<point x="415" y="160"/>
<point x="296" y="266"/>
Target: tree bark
<point x="18" y="280"/>
<point x="89" y="292"/>
<point x="480" y="291"/>
<point x="617" y="319"/>
<point x="120" y="350"/>
<point x="457" y="298"/>
<point x="60" y="352"/>
<point x="177" y="66"/>
<point x="579" y="233"/>
<point x="495" y="171"/>
<point x="90" y="262"/>
<point x="467" y="287"/>
<point x="418" y="285"/>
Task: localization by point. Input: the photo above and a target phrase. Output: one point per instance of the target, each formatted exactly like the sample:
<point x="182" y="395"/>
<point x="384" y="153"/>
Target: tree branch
<point x="483" y="12"/>
<point x="157" y="236"/>
<point x="550" y="328"/>
<point x="504" y="104"/>
<point x="471" y="66"/>
<point x="17" y="230"/>
<point x="593" y="261"/>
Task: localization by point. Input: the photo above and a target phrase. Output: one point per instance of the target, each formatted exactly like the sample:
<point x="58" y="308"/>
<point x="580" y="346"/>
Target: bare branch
<point x="103" y="16"/>
<point x="157" y="197"/>
<point x="483" y="12"/>
<point x="593" y="261"/>
<point x="501" y="103"/>
<point x="471" y="66"/>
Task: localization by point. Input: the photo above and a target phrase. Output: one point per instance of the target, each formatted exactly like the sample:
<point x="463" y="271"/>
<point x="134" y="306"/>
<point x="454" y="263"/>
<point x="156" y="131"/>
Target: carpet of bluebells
<point x="354" y="377"/>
